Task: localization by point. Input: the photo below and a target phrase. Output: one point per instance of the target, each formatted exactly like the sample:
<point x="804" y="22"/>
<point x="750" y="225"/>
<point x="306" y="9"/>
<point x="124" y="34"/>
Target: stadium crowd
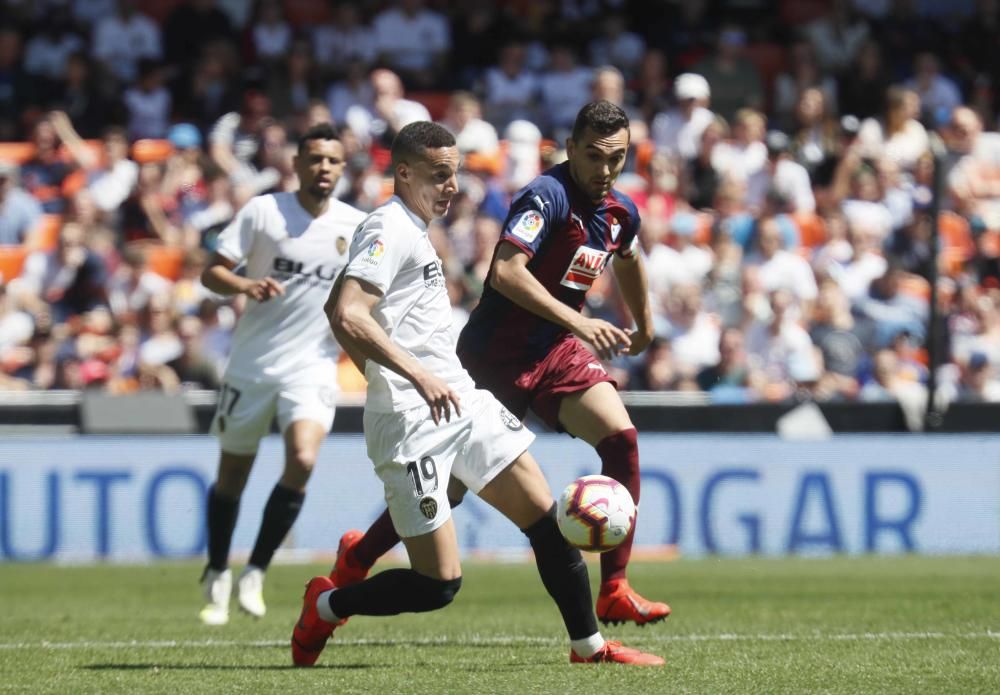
<point x="781" y="157"/>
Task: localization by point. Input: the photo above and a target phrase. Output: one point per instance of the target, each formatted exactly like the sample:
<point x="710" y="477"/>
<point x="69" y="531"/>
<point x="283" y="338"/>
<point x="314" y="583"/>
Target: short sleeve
<point x="530" y="220"/>
<point x="630" y="237"/>
<point x="377" y="257"/>
<point x="236" y="240"/>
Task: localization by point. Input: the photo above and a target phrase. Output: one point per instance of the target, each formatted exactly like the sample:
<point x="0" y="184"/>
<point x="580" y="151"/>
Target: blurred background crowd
<point x="781" y="157"/>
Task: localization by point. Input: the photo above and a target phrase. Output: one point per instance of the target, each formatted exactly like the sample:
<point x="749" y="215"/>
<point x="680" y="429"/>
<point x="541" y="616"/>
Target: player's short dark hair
<point x="602" y="117"/>
<point x="413" y="139"/>
<point x="320" y="131"/>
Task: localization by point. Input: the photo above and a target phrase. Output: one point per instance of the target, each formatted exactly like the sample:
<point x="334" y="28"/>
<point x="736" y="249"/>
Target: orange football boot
<point x="346" y="570"/>
<point x="619" y="603"/>
<point x="616" y="653"/>
<point x="311" y="632"/>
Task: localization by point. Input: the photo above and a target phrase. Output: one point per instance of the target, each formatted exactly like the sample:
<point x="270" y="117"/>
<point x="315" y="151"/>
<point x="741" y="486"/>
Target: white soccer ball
<point x="596" y="513"/>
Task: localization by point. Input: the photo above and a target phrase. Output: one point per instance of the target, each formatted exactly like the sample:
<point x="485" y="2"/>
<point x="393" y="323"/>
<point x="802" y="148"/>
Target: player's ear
<point x="403" y="171"/>
<point x="570" y="146"/>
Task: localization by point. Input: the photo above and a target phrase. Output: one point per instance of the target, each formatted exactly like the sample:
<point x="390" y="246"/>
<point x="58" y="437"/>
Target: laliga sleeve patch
<point x="528" y="227"/>
<point x="375" y="252"/>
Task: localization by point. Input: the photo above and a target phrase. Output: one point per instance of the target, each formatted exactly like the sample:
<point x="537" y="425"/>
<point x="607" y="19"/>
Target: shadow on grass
<point x="221" y="667"/>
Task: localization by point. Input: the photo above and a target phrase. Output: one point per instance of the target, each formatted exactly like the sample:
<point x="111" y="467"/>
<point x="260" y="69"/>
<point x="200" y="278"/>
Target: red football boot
<point x="346" y="570"/>
<point x="619" y="603"/>
<point x="616" y="653"/>
<point x="311" y="632"/>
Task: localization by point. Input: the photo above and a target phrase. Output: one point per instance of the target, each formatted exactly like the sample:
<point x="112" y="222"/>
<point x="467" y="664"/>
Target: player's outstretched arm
<point x="510" y="277"/>
<point x="219" y="277"/>
<point x="631" y="276"/>
<point x="352" y="350"/>
<point x="352" y="323"/>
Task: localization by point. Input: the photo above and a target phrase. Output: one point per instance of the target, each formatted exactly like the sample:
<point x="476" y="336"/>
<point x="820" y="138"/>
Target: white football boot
<point x="216" y="587"/>
<point x="250" y="591"/>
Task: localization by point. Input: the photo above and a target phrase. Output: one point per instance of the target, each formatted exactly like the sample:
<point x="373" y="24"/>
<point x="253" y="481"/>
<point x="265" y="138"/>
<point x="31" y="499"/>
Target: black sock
<point x="393" y="592"/>
<point x="280" y="513"/>
<point x="564" y="574"/>
<point x="221" y="515"/>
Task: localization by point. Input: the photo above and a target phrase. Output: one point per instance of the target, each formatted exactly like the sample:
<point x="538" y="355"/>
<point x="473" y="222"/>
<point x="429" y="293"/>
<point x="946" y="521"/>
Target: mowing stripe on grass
<point x="503" y="640"/>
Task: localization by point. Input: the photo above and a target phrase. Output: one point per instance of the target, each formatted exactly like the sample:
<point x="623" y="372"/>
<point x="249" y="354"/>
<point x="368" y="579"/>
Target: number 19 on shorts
<point x="423" y="475"/>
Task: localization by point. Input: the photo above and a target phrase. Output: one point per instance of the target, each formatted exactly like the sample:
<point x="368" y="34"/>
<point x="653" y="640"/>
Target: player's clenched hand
<point x="640" y="340"/>
<point x="439" y="396"/>
<point x="264" y="289"/>
<point x="607" y="339"/>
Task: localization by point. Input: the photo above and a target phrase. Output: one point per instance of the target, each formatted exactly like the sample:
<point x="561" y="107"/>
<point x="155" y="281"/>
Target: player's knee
<point x="548" y="542"/>
<point x="433" y="594"/>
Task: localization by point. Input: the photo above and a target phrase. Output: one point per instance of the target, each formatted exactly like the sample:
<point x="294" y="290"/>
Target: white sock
<point x="323" y="607"/>
<point x="588" y="646"/>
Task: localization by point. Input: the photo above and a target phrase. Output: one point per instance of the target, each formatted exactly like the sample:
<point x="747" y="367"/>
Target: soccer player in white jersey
<point x="283" y="361"/>
<point x="392" y="313"/>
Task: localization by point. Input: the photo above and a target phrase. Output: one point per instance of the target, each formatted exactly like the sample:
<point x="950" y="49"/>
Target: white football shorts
<point x="245" y="408"/>
<point x="414" y="457"/>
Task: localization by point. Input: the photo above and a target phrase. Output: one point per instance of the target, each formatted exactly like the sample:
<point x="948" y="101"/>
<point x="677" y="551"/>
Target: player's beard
<point x="319" y="193"/>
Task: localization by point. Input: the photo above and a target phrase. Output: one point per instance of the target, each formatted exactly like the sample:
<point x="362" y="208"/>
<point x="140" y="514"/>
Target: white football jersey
<point x="391" y="251"/>
<point x="276" y="237"/>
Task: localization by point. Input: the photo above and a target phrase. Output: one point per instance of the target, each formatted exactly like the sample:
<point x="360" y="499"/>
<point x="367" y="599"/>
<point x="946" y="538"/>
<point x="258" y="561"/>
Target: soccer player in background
<point x="393" y="315"/>
<point x="524" y="341"/>
<point x="283" y="361"/>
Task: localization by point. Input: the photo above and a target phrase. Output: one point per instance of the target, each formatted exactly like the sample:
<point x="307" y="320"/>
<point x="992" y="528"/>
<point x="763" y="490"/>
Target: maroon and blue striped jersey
<point x="570" y="240"/>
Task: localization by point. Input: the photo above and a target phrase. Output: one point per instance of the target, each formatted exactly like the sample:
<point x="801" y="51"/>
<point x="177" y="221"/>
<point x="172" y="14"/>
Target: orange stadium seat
<point x="812" y="229"/>
<point x="165" y="261"/>
<point x="16" y="152"/>
<point x="44" y="236"/>
<point x="149" y="150"/>
<point x="11" y="262"/>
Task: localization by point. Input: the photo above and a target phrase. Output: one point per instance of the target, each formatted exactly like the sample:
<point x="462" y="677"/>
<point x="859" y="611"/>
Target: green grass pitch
<point x="841" y="625"/>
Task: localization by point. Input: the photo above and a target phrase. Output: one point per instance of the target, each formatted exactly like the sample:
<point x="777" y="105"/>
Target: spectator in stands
<point x="701" y="178"/>
<point x="734" y="80"/>
<point x="832" y="329"/>
<point x="122" y="39"/>
<point x="510" y="88"/>
<point x="212" y="88"/>
<point x="978" y="381"/>
<point x="803" y="74"/>
<point x="777" y="344"/>
<point x="193" y="369"/>
<point x="44" y="174"/>
<point x="745" y="154"/>
<point x="16" y="90"/>
<point x="678" y="131"/>
<point x="616" y="45"/>
<point x="523" y="156"/>
<point x="158" y="345"/>
<point x="815" y="136"/>
<point x="778" y="269"/>
<point x="235" y="143"/>
<point x="886" y="312"/>
<point x="90" y="103"/>
<point x="464" y="119"/>
<point x="88" y="12"/>
<point x="414" y="41"/>
<point x="729" y="377"/>
<point x="354" y="87"/>
<point x="148" y="102"/>
<point x="898" y="134"/>
<point x="345" y="41"/>
<point x="565" y="87"/>
<point x="693" y="332"/>
<point x="838" y="36"/>
<point x="862" y="94"/>
<point x="652" y="85"/>
<point x="71" y="279"/>
<point x="379" y="120"/>
<point x="974" y="180"/>
<point x="656" y="371"/>
<point x="781" y="179"/>
<point x="294" y="82"/>
<point x="111" y="177"/>
<point x="939" y="95"/>
<point x="19" y="211"/>
<point x="270" y="32"/>
<point x="46" y="53"/>
<point x="191" y="28"/>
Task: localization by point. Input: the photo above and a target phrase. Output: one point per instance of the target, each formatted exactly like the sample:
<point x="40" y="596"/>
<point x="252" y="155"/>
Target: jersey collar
<point x="421" y="225"/>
